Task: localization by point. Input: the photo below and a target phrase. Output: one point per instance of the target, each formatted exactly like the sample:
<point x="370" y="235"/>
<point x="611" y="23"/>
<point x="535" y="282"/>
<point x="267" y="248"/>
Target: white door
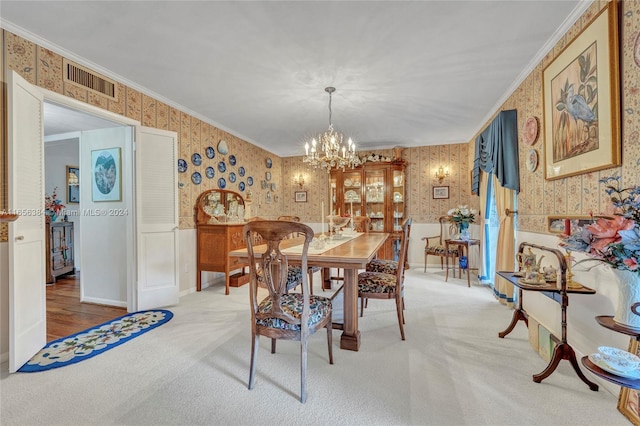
<point x="156" y="218"/>
<point x="27" y="287"/>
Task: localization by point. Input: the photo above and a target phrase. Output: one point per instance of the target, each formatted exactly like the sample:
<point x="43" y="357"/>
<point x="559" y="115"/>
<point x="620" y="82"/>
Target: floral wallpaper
<point x="581" y="194"/>
<point x="538" y="198"/>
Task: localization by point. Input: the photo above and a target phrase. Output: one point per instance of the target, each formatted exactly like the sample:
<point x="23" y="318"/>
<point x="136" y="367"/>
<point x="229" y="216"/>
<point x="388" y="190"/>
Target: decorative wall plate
<point x="241" y="186"/>
<point x="232" y="160"/>
<point x="196" y="159"/>
<point x="182" y="165"/>
<point x="222" y="183"/>
<point x="269" y="162"/>
<point x="250" y="181"/>
<point x="530" y="131"/>
<point x="196" y="178"/>
<point x="532" y="160"/>
<point x="222" y="167"/>
<point x="210" y="152"/>
<point x="232" y="177"/>
<point x="636" y="51"/>
<point x="222" y="147"/>
<point x="267" y="176"/>
<point x="241" y="171"/>
<point x="210" y="172"/>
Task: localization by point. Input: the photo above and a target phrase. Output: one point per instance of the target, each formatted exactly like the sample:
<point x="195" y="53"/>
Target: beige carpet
<point x="451" y="370"/>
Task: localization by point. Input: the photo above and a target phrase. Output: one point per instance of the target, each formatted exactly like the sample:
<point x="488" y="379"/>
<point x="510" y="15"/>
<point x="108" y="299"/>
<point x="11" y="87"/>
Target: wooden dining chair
<point x="380" y="285"/>
<point x="312" y="269"/>
<point x="281" y="314"/>
<point x="434" y="245"/>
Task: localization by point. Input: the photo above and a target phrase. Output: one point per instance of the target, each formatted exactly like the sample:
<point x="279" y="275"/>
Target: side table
<point x="608" y="322"/>
<point x="463" y="247"/>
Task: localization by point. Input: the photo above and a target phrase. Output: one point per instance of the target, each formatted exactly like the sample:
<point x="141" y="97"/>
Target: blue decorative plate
<point x="182" y="165"/>
<point x="222" y="167"/>
<point x="241" y="186"/>
<point x="269" y="162"/>
<point x="210" y="152"/>
<point x="250" y="181"/>
<point x="222" y="183"/>
<point x="196" y="178"/>
<point x="232" y="160"/>
<point x="232" y="177"/>
<point x="210" y="172"/>
<point x="241" y="171"/>
<point x="196" y="159"/>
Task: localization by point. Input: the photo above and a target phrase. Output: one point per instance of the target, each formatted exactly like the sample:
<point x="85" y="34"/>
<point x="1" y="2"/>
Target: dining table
<point x="349" y="252"/>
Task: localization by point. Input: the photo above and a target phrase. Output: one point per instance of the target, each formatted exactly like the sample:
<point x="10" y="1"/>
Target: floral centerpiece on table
<point x="53" y="206"/>
<point x="462" y="215"/>
<point x="613" y="238"/>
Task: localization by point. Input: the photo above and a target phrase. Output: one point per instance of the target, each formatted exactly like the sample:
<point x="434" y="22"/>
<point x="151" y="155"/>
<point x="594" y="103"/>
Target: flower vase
<point x="628" y="294"/>
<point x="463" y="231"/>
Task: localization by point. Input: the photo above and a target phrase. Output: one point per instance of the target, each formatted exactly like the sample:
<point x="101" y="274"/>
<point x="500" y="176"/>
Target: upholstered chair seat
<point x="382" y="265"/>
<point x="376" y="282"/>
<point x="291" y="303"/>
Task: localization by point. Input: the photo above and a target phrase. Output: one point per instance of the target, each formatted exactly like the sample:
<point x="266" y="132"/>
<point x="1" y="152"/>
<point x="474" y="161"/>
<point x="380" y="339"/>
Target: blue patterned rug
<point x="95" y="340"/>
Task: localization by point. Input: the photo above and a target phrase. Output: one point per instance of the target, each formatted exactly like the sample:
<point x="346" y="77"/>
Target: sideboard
<point x="216" y="237"/>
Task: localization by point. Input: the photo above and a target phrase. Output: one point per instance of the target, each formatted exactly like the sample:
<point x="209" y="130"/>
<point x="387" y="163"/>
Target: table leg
<point x="350" y="338"/>
<point x="446" y="257"/>
<point x="468" y="270"/>
<point x="326" y="279"/>
<point x="517" y="316"/>
<point x="560" y="352"/>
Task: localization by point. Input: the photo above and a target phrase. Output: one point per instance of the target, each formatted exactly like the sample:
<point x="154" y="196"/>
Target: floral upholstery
<point x="440" y="250"/>
<point x="319" y="308"/>
<point x="382" y="265"/>
<point x="376" y="282"/>
<point x="294" y="276"/>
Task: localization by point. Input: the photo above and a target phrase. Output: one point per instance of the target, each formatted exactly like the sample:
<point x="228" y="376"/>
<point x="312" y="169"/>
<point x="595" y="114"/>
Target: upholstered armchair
<point x="434" y="245"/>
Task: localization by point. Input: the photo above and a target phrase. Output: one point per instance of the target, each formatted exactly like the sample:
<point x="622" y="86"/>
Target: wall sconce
<point x="299" y="180"/>
<point x="442" y="173"/>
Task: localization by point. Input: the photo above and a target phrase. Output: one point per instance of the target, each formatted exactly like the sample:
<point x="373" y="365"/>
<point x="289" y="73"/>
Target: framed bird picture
<point x="581" y="101"/>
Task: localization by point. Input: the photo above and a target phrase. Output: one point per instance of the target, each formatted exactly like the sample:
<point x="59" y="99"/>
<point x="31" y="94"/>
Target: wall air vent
<point x="83" y="77"/>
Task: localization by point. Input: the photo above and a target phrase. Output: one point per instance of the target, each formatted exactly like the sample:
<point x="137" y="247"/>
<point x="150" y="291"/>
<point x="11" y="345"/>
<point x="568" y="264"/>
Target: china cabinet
<point x="219" y="224"/>
<point x="59" y="247"/>
<point x="376" y="190"/>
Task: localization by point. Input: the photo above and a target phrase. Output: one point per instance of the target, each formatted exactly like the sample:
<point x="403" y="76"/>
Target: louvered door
<point x="157" y="218"/>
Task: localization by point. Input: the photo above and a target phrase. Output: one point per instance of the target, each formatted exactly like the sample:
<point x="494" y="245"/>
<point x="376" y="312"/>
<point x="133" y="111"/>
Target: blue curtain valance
<point x="497" y="152"/>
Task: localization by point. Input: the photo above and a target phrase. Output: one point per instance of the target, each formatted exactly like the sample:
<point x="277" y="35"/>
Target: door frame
<point x="77" y="105"/>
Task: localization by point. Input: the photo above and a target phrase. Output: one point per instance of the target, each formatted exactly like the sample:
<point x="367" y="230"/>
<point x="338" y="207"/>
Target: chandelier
<point x="328" y="150"/>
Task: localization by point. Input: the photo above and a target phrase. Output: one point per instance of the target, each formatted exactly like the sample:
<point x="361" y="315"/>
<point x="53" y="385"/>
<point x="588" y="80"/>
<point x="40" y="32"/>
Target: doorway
<point x="66" y="312"/>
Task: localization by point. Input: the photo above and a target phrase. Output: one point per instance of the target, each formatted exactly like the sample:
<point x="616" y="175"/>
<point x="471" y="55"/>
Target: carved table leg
<point x="517" y="316"/>
<point x="560" y="352"/>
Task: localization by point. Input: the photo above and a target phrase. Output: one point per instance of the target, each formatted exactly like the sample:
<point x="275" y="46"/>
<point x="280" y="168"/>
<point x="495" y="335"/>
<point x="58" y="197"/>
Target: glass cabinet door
<point x="333" y="194"/>
<point x="398" y="199"/>
<point x="352" y="187"/>
<point x="374" y="198"/>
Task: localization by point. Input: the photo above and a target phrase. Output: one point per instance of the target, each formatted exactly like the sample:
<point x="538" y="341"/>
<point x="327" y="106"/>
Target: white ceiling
<point x="407" y="73"/>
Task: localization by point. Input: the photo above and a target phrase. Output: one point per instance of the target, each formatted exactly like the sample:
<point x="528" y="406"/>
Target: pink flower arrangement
<point x="615" y="239"/>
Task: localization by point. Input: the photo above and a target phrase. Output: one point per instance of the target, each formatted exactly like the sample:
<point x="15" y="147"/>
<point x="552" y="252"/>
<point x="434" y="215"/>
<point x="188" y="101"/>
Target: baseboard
<point x="118" y="303"/>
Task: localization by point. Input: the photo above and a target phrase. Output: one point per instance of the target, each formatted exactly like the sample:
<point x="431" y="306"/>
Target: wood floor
<point x="66" y="315"/>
